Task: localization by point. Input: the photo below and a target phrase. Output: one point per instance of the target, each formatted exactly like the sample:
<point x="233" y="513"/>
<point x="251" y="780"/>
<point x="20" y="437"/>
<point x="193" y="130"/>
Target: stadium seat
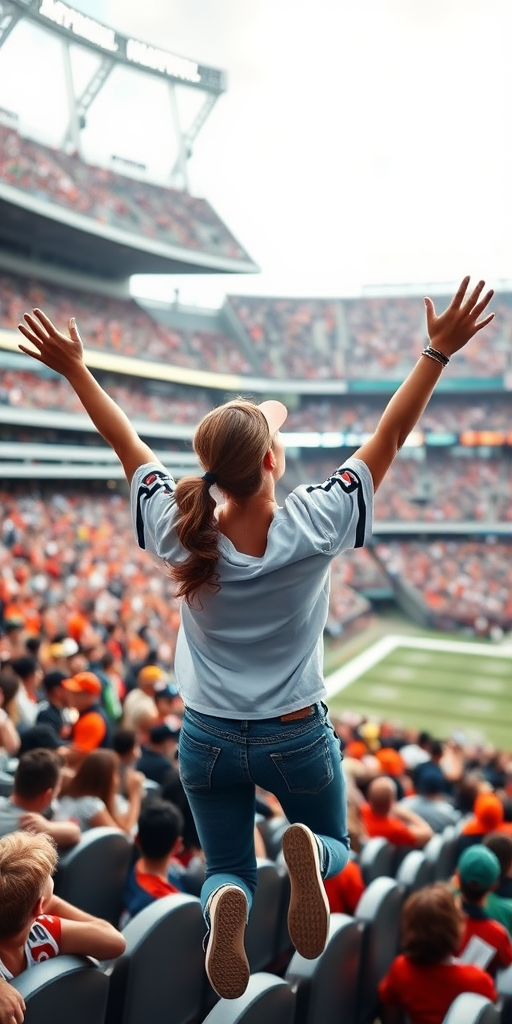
<point x="262" y="933"/>
<point x="415" y="871"/>
<point x="504" y="989"/>
<point x="272" y="831"/>
<point x="267" y="1000"/>
<point x="377" y="859"/>
<point x="326" y="988"/>
<point x="470" y="1008"/>
<point x="161" y="975"/>
<point x="379" y="911"/>
<point x="283" y="947"/>
<point x="93" y="873"/>
<point x="446" y="860"/>
<point x="64" y="989"/>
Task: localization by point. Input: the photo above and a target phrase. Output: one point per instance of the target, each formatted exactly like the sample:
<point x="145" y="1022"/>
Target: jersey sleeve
<point x="341" y="508"/>
<point x="153" y="510"/>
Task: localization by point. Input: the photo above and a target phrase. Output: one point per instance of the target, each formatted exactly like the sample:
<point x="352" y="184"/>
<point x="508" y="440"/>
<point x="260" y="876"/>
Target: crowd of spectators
<point x="360" y="339"/>
<point x="440" y="488"/>
<point x="154" y="211"/>
<point x="108" y="755"/>
<point x="159" y="401"/>
<point x="120" y="326"/>
<point x="462" y="582"/>
<point x="285" y="338"/>
<point x="72" y="556"/>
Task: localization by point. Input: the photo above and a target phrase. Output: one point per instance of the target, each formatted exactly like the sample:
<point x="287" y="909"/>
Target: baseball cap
<point x="390" y="761"/>
<point x="160" y="733"/>
<point x="150" y="674"/>
<point x="488" y="811"/>
<point x="431" y="781"/>
<point x="54" y="679"/>
<point x="479" y="868"/>
<point x="83" y="682"/>
<point x="166" y="690"/>
<point x="275" y="414"/>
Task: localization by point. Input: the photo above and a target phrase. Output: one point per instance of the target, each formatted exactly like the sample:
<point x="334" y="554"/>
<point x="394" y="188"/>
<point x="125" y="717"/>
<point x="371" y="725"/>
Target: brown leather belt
<point x="294" y="716"/>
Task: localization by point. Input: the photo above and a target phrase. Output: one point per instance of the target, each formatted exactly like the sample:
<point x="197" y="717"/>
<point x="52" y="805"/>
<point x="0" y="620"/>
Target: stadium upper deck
<point x="56" y="207"/>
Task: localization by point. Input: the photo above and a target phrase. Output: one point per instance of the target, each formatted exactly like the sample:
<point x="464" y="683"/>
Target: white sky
<point x="359" y="143"/>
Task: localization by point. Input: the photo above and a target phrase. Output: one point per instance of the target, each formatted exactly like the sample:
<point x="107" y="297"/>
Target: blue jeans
<point x="222" y="761"/>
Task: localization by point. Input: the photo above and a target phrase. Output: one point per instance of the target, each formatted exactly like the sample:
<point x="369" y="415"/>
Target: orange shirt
<point x="392" y="829"/>
<point x="89" y="731"/>
<point x="345" y="889"/>
<point x="426" y="991"/>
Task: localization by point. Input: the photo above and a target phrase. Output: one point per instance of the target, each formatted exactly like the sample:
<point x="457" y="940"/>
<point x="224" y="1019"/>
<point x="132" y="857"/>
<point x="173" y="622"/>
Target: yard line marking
<point x="356" y="667"/>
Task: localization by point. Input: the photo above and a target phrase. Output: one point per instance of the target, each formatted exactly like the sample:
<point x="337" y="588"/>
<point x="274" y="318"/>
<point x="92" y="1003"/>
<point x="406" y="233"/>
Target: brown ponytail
<point x="230" y="442"/>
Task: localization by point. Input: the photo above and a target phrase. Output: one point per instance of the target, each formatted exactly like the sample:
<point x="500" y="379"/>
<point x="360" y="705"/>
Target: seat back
<point x="415" y="871"/>
<point x="469" y="1008"/>
<point x="267" y="1000"/>
<point x="92" y="875"/>
<point x="326" y="988"/>
<point x="379" y="910"/>
<point x="377" y="859"/>
<point x="161" y="975"/>
<point x="67" y="988"/>
<point x="272" y="831"/>
<point x="261" y="937"/>
<point x="446" y="861"/>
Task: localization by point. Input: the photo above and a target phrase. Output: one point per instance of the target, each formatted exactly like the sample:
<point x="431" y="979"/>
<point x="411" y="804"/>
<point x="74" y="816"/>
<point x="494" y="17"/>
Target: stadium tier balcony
<point x="120" y="326"/>
<point x="462" y="582"/>
<point x="92" y="198"/>
<point x="369" y="339"/>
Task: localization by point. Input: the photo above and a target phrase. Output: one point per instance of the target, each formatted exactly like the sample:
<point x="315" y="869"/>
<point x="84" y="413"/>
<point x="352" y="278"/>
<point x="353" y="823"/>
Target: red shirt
<point x="495" y="934"/>
<point x="426" y="991"/>
<point x="392" y="829"/>
<point x="345" y="889"/>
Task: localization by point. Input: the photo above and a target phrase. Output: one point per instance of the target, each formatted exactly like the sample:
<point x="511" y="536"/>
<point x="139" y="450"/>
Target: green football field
<point x="439" y="685"/>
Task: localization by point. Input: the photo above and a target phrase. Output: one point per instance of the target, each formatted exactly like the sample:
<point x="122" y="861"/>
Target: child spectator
<point x="156" y="873"/>
<point x="478" y="874"/>
<point x="53" y="710"/>
<point x="36" y="784"/>
<point x="425" y="979"/>
<point x="499" y="902"/>
<point x="27" y="935"/>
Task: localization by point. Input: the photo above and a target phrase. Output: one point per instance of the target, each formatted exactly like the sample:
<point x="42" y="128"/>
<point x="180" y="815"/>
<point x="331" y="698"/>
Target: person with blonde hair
<point x="254" y="582"/>
<point x="28" y="934"/>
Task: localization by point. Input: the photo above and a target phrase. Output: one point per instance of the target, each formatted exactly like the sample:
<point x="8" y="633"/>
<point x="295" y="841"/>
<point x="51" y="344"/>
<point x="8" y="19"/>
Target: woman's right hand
<point x="451" y="330"/>
<point x="62" y="354"/>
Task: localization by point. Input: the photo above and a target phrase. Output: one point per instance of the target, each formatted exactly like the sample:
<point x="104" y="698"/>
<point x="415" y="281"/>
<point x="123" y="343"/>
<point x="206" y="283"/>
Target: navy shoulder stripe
<point x="154" y="481"/>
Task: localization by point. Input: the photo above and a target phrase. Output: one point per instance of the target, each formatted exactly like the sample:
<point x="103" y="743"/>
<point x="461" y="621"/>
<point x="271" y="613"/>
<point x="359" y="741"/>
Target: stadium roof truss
<point x="113" y="49"/>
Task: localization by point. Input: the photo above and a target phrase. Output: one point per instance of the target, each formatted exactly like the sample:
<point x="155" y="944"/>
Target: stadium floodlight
<point x="113" y="49"/>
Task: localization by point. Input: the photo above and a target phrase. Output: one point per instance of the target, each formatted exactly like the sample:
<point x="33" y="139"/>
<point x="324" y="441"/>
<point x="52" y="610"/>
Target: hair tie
<point x="211" y="478"/>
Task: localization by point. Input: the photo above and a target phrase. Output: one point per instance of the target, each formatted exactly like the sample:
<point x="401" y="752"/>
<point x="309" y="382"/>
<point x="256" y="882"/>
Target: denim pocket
<point x="196" y="762"/>
<point x="308" y="769"/>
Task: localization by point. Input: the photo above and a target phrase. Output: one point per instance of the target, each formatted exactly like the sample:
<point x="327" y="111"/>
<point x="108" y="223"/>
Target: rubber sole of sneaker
<point x="308" y="915"/>
<point x="226" y="963"/>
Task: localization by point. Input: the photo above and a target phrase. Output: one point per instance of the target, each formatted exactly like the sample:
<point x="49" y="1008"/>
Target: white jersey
<point x="255" y="648"/>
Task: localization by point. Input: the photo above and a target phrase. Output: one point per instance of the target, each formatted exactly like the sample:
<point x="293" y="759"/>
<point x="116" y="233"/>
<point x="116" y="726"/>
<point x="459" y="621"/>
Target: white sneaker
<point x="309" y="913"/>
<point x="226" y="962"/>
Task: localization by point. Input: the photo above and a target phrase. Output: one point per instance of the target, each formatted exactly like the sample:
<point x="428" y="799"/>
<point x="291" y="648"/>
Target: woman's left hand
<point x="60" y="352"/>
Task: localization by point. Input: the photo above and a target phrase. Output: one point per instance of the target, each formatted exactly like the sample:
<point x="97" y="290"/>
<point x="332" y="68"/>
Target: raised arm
<point x="66" y="356"/>
<point x="448" y="333"/>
